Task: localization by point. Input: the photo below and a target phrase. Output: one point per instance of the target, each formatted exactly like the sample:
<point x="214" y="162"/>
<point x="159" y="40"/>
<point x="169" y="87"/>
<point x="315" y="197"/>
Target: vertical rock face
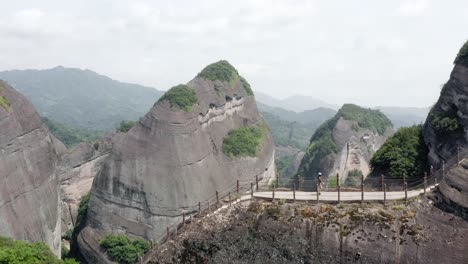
<point x="29" y="189"/>
<point x="345" y="143"/>
<point x="77" y="171"/>
<point x="446" y="129"/>
<point x="174" y="157"/>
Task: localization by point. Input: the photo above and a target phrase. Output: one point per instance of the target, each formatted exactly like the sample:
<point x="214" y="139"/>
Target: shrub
<point x="124" y="250"/>
<point x="68" y="234"/>
<point x="20" y="252"/>
<point x="221" y="70"/>
<point x="332" y="181"/>
<point x="181" y="96"/>
<point x="354" y="178"/>
<point x="246" y="86"/>
<point x="462" y="56"/>
<point x="404" y="153"/>
<point x="444" y="124"/>
<point x="242" y="142"/>
<point x="82" y="210"/>
<point x="5" y="103"/>
<point x="125" y="126"/>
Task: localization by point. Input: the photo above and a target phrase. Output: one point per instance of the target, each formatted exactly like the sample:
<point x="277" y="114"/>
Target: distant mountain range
<point x="400" y="116"/>
<point x="82" y="98"/>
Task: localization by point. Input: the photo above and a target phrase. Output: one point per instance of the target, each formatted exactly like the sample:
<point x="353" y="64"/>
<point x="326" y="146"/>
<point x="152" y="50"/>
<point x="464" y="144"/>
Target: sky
<point x="372" y="53"/>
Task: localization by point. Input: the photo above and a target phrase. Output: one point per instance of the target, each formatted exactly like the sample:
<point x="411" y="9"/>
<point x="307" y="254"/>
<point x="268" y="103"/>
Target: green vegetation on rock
<point x="219" y="71"/>
<point x="445" y="124"/>
<point x="82" y="210"/>
<point x="403" y="154"/>
<point x="181" y="96"/>
<point x="20" y="252"/>
<point x="3" y="101"/>
<point x="462" y="56"/>
<point x="244" y="141"/>
<point x="124" y="250"/>
<point x="366" y="118"/>
<point x="70" y="136"/>
<point x="246" y="86"/>
<point x="125" y="126"/>
<point x="354" y="178"/>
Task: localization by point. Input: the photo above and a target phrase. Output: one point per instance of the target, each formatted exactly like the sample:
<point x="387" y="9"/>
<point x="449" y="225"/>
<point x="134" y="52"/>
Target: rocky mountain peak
<point x="199" y="138"/>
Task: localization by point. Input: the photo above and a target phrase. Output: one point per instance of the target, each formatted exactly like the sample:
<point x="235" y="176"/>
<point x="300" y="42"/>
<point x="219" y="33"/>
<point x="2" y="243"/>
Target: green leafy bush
<point x="20" y="252"/>
<point x="242" y="142"/>
<point x="403" y="154"/>
<point x="246" y="86"/>
<point x="462" y="56"/>
<point x="181" y="96"/>
<point x="124" y="250"/>
<point x="445" y="124"/>
<point x="354" y="178"/>
<point x="82" y="210"/>
<point x="125" y="126"/>
<point x="221" y="70"/>
<point x="70" y="136"/>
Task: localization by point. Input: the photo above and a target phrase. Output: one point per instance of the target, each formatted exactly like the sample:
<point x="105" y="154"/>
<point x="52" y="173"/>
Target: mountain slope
<point x="404" y="116"/>
<point x="199" y="138"/>
<point x="345" y="143"/>
<point x="297" y="103"/>
<point x="82" y="98"/>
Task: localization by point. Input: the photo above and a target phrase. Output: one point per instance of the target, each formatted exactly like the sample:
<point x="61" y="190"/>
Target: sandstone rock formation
<point x="173" y="158"/>
<point x="77" y="171"/>
<point x="29" y="189"/>
<point x="345" y="143"/>
<point x="446" y="129"/>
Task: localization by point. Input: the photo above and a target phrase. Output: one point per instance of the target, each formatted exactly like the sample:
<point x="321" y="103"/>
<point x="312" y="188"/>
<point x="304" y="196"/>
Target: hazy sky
<point x="366" y="52"/>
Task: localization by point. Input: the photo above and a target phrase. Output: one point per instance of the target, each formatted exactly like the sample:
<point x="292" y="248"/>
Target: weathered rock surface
<point x="172" y="159"/>
<point x="29" y="190"/>
<point x="341" y="144"/>
<point x="77" y="171"/>
<point x="304" y="233"/>
<point x="443" y="144"/>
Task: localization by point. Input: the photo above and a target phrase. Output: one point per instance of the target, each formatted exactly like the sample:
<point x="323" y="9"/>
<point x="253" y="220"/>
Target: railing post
<point x="318" y="194"/>
<point x="168" y="233"/>
<point x="190" y="219"/>
<point x="382" y="181"/>
<point x="209" y="207"/>
<point x="273" y="194"/>
<point x="362" y="189"/>
<point x="385" y="194"/>
<point x="217" y="198"/>
<point x="183" y="219"/>
<point x="199" y="208"/>
<point x="338" y="185"/>
<point x="237" y="186"/>
<point x="425" y="182"/>
<point x="256" y="182"/>
<point x="443" y="169"/>
<point x="458" y="155"/>
<point x="251" y="190"/>
<point x="298" y="182"/>
<point x="404" y="180"/>
<point x="230" y="203"/>
<point x="406" y="191"/>
<point x="294" y="192"/>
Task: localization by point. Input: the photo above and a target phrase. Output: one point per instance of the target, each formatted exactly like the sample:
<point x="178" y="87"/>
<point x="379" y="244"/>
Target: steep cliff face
<point x="178" y="154"/>
<point x="29" y="189"/>
<point x="446" y="129"/>
<point x="345" y="143"/>
<point x="77" y="171"/>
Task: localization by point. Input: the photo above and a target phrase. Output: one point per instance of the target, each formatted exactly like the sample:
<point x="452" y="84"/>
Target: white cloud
<point x="413" y="7"/>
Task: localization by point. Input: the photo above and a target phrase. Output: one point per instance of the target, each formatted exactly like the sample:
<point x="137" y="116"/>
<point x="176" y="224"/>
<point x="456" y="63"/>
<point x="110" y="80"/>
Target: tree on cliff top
<point x="403" y="154"/>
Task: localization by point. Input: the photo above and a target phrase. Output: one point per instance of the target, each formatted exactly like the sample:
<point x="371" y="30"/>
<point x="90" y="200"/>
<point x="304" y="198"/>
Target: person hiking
<point x="320" y="182"/>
